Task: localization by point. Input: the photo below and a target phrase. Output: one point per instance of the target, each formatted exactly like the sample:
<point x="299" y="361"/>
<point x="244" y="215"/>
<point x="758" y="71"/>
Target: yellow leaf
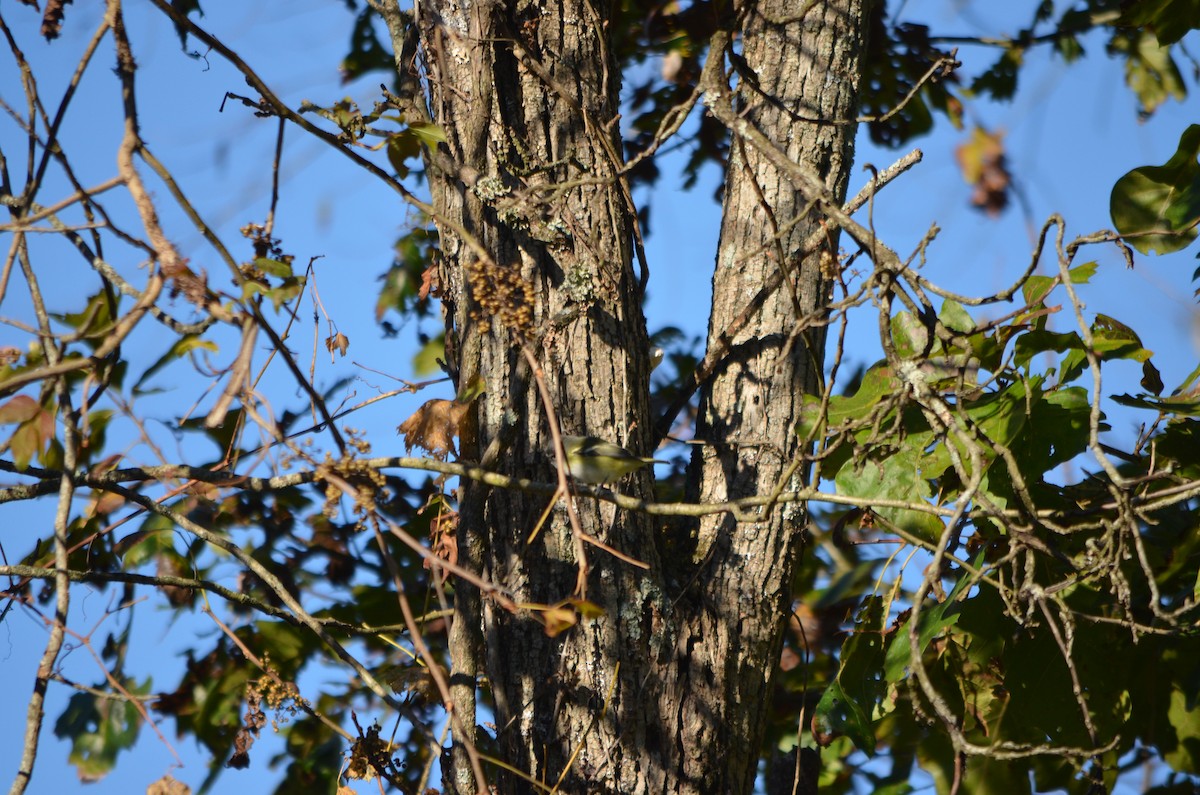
<point x="558" y="620"/>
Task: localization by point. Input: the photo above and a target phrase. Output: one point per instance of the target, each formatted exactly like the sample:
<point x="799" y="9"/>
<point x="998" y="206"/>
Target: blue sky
<point x="1071" y="132"/>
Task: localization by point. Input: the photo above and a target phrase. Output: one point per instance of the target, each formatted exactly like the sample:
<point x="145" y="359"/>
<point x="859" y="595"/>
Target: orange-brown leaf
<point x="983" y="165"/>
<point x="433" y="427"/>
<point x="337" y="342"/>
<point x="429" y="283"/>
<point x="19" y="409"/>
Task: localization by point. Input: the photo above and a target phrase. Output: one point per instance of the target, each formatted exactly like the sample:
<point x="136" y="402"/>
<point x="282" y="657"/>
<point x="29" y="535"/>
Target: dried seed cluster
<point x="369" y="483"/>
<point x="500" y="294"/>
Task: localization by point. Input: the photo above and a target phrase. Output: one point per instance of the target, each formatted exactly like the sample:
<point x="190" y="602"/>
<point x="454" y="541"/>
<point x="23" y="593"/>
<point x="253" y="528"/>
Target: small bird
<point x="596" y="461"/>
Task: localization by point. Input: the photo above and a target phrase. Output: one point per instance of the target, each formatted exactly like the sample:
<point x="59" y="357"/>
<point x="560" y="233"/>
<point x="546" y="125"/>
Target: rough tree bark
<point x="799" y="85"/>
<point x="528" y="101"/>
<point x="665" y="692"/>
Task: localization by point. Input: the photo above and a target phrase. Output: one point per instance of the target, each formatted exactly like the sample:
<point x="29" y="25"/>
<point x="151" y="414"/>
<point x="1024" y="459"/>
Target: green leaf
<point x="1082" y="274"/>
<point x="33" y="433"/>
<point x="407" y="144"/>
<point x="99" y="729"/>
<point x="471" y="389"/>
<point x="850" y="700"/>
<point x="290" y="647"/>
<point x="274" y="267"/>
<point x="97" y="434"/>
<point x="180" y="348"/>
<point x="1057" y="432"/>
<point x="1180" y="443"/>
<point x="983" y="775"/>
<point x="876" y="383"/>
<point x="316" y="757"/>
<point x="1169" y="20"/>
<point x="1001" y="416"/>
<point x="1039" y="682"/>
<point x="1163" y="680"/>
<point x="1001" y="80"/>
<point x="94" y="321"/>
<point x="53" y="456"/>
<point x="909" y="335"/>
<point x="1188" y="382"/>
<point x="425" y="361"/>
<point x="400" y="147"/>
<point x="153" y="538"/>
<point x="1068" y="46"/>
<point x="430" y="134"/>
<point x="1183" y="406"/>
<point x="838" y="714"/>
<point x="366" y="53"/>
<point x="280" y="295"/>
<point x="1038" y="341"/>
<point x="24" y="445"/>
<point x="223" y="436"/>
<point x="1035" y="290"/>
<point x="1157" y="207"/>
<point x="900" y="475"/>
<point x="1150" y="71"/>
<point x="936" y="618"/>
<point x="988" y="349"/>
<point x="955" y="317"/>
<point x="1112" y="339"/>
<point x="183" y="8"/>
<point x="409" y="281"/>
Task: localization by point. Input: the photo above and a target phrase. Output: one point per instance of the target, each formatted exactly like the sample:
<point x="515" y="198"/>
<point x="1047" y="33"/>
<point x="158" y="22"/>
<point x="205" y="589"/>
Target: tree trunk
<point x="666" y="691"/>
<point x="799" y="85"/>
<point x="528" y="102"/>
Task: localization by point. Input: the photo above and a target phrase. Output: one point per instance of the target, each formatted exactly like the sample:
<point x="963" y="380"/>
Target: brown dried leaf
<point x="429" y="283"/>
<point x="413" y="680"/>
<point x="19" y="409"/>
<point x="442" y="538"/>
<point x="433" y="427"/>
<point x="983" y="165"/>
<point x="168" y="785"/>
<point x="103" y="503"/>
<point x="170" y="565"/>
<point x="53" y="18"/>
<point x="253" y="722"/>
<point x="106" y="464"/>
<point x="337" y="342"/>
